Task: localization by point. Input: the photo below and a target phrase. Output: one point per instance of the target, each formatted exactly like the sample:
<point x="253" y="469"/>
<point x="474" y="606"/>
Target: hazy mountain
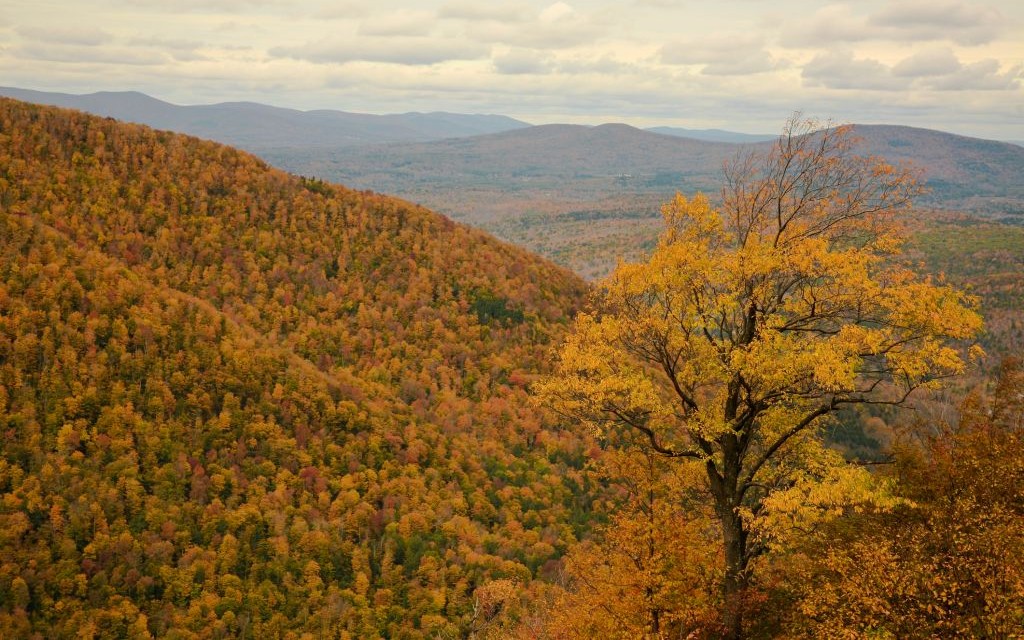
<point x="713" y="135"/>
<point x="256" y="126"/>
<point x="583" y="196"/>
<point x="565" y="157"/>
<point x="962" y="173"/>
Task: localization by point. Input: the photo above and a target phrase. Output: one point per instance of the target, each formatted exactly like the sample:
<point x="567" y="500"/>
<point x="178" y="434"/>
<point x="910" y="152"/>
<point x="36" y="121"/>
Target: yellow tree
<point x="754" y="321"/>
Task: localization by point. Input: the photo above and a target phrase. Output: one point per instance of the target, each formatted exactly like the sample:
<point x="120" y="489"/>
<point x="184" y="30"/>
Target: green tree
<point x="751" y="323"/>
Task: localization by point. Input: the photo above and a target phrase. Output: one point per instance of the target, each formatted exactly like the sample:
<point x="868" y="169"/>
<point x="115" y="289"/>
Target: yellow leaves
<point x="690" y="219"/>
<point x="934" y="309"/>
<point x="652" y="570"/>
<point x="822" y="491"/>
<point x="834" y="370"/>
<point x="597" y="380"/>
<point x="797" y="311"/>
<point x="948" y="565"/>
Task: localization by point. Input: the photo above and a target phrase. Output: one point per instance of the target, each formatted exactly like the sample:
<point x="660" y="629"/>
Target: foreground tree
<point x="752" y="323"/>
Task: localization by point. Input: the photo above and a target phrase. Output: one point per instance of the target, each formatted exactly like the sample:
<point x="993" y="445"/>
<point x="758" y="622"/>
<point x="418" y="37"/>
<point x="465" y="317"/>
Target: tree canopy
<point x="753" y="321"/>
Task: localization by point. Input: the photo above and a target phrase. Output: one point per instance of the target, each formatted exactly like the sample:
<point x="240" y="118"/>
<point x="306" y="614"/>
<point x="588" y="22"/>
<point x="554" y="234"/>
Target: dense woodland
<point x="236" y="403"/>
<point x="239" y="403"/>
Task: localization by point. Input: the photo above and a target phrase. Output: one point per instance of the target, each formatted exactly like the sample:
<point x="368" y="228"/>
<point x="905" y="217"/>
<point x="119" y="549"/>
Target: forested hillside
<point x="236" y="403"/>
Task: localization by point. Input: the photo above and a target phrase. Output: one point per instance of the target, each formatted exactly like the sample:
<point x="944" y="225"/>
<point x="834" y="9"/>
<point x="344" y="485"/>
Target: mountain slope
<point x="551" y="154"/>
<point x="256" y="126"/>
<point x="237" y="403"/>
<point x="967" y="174"/>
<point x="493" y="179"/>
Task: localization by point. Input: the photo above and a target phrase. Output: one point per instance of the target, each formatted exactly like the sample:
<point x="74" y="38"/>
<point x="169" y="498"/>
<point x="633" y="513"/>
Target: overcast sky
<point x="745" y="65"/>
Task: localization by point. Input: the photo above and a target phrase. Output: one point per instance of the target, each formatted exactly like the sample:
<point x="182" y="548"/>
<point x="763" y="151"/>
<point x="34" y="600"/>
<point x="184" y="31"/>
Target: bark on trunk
<point x="735" y="583"/>
<point x="724" y="488"/>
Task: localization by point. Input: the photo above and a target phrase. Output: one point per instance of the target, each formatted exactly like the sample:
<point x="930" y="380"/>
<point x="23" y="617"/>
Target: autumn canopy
<point x="751" y="323"/>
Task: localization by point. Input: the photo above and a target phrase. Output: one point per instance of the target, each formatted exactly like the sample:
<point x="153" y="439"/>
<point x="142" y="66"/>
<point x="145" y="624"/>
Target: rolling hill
<point x="962" y="173"/>
<point x="255" y="127"/>
<point x="237" y="403"/>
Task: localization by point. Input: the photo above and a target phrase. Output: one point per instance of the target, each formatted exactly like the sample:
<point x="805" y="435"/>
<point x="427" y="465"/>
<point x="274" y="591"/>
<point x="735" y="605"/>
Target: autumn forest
<point x="240" y="403"/>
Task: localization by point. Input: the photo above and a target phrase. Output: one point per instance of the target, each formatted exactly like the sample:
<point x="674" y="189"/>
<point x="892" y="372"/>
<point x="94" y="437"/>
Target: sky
<point x="742" y="65"/>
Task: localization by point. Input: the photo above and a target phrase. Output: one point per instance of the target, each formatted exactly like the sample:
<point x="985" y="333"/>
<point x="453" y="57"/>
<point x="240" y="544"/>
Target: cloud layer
<point x="953" y="64"/>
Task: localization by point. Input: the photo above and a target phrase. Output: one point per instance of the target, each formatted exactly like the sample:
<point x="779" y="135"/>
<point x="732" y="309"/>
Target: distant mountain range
<point x="962" y="173"/>
<point x="256" y="126"/>
<point x="544" y="156"/>
<point x="489" y="169"/>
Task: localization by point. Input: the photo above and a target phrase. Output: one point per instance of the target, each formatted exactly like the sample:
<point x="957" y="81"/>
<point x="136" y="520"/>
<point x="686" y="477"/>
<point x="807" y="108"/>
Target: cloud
<point x="941" y="70"/>
<point x="840" y="70"/>
<point x="721" y="55"/>
<point x="555" y="12"/>
<point x="180" y="49"/>
<point x="88" y="54"/>
<point x="398" y="23"/>
<point x="936" y="62"/>
<point x="955" y="21"/>
<point x="178" y="44"/>
<point x="984" y="75"/>
<point x="475" y="11"/>
<point x="407" y="51"/>
<point x="557" y="26"/>
<point x="961" y="22"/>
<point x="83" y="36"/>
<point x="341" y="10"/>
<point x="829" y="25"/>
<point x="605" y="65"/>
<point x="933" y="70"/>
<point x="522" y="61"/>
<point x="212" y="6"/>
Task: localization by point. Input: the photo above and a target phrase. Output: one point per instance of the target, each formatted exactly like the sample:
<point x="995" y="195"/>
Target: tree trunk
<point x="734" y="539"/>
<point x="734" y="542"/>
